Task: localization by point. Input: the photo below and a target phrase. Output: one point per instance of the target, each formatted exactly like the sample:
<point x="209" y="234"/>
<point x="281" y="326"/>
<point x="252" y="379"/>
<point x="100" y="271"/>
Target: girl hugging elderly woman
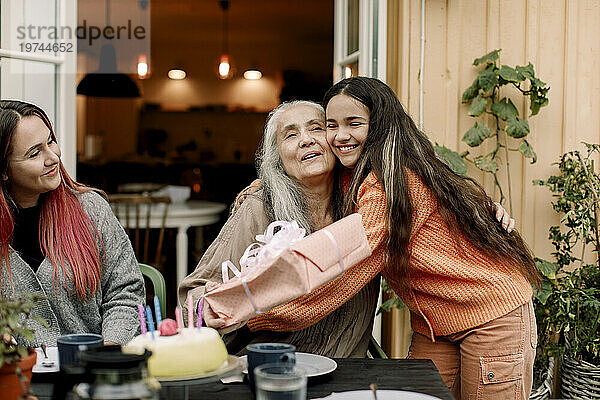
<point x="465" y="278"/>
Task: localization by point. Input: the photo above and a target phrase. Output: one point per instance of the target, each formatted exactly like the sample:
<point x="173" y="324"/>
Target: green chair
<point x="375" y="349"/>
<point x="158" y="281"/>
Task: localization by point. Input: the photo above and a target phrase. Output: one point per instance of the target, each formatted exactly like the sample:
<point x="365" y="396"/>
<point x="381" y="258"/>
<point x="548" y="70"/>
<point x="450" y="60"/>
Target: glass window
<point x="353" y="26"/>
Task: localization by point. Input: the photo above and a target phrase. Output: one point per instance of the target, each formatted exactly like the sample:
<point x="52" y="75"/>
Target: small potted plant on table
<point x="16" y="361"/>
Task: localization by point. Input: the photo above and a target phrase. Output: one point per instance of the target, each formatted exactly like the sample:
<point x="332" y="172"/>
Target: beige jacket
<point x="343" y="333"/>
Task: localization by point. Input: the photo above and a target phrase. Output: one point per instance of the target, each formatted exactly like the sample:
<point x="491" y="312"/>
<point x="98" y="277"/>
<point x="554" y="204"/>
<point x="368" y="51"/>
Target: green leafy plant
<point x="393" y="301"/>
<point x="14" y="315"/>
<point x="498" y="119"/>
<point x="568" y="302"/>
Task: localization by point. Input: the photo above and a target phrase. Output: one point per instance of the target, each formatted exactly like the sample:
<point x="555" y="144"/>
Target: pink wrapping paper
<point x="305" y="265"/>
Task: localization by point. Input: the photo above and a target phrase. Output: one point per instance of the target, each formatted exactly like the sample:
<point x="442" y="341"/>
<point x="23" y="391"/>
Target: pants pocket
<point x="501" y="377"/>
<point x="533" y="326"/>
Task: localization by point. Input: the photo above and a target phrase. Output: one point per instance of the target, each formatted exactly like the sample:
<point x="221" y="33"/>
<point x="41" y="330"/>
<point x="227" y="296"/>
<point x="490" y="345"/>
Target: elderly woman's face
<point x="302" y="144"/>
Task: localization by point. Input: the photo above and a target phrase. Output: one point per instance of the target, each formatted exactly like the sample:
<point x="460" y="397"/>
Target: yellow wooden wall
<point x="560" y="38"/>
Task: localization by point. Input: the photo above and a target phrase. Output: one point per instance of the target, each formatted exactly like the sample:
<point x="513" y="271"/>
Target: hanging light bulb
<point x="224" y="66"/>
<point x="224" y="70"/>
<point x="142" y="66"/>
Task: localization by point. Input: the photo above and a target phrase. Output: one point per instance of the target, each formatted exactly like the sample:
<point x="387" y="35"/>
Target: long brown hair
<point x="67" y="235"/>
<point x="394" y="144"/>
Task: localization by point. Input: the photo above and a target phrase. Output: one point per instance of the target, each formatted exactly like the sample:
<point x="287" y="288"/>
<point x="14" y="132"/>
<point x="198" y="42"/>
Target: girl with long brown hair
<point x="466" y="281"/>
<point x="60" y="238"/>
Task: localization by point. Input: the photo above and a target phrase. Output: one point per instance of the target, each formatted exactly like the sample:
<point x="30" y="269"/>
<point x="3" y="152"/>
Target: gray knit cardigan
<point x="111" y="312"/>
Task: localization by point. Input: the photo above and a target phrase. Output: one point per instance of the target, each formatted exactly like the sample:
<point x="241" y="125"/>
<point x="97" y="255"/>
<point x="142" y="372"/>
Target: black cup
<point x="69" y="347"/>
<point x="268" y="353"/>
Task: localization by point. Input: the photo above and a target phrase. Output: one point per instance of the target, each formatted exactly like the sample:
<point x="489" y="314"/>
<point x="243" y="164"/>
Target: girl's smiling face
<point x="33" y="162"/>
<point x="347" y="128"/>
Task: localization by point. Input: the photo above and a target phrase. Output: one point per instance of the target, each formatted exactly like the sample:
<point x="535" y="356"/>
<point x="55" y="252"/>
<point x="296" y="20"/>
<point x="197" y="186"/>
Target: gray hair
<point x="283" y="198"/>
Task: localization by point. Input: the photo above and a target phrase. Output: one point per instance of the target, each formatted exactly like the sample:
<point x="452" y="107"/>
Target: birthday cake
<point x="191" y="352"/>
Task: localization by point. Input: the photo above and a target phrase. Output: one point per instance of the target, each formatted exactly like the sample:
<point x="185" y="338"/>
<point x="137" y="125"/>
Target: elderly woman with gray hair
<point x="296" y="167"/>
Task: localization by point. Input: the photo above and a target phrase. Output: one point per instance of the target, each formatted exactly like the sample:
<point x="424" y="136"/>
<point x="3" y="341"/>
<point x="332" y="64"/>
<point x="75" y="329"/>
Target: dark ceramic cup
<point x="268" y="353"/>
<point x="69" y="347"/>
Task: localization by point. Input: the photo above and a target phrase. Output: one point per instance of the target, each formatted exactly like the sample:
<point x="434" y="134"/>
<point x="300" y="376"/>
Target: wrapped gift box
<point x="297" y="269"/>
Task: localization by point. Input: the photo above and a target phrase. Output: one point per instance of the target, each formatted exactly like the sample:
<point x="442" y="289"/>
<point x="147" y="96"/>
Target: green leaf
<point x="477" y="134"/>
<point x="486" y="163"/>
<point x="13" y="320"/>
<point x="505" y="109"/>
<point x="41" y="320"/>
<point x="546" y="268"/>
<point x="471" y="91"/>
<point x="538" y="100"/>
<point x="487" y="79"/>
<point x="510" y="74"/>
<point x="26" y="333"/>
<point x="478" y="106"/>
<point x="22" y="351"/>
<point x="517" y="128"/>
<point x="526" y="149"/>
<point x="452" y="159"/>
<point x="489" y="58"/>
<point x="393" y="302"/>
<point x="527" y="71"/>
<point x="544" y="292"/>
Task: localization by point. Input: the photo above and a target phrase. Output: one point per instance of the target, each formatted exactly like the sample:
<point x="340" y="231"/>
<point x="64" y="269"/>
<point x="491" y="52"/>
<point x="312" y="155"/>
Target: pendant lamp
<point x="224" y="70"/>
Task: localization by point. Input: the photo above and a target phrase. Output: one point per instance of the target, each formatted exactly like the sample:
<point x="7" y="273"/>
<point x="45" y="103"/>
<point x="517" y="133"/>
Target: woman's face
<point x="302" y="144"/>
<point x="347" y="128"/>
<point x="33" y="162"/>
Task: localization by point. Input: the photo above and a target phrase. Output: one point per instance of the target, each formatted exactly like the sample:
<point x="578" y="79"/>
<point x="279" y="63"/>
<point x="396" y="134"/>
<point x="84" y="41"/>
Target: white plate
<point x="43" y="365"/>
<point x="381" y="395"/>
<point x="229" y="367"/>
<point x="311" y="364"/>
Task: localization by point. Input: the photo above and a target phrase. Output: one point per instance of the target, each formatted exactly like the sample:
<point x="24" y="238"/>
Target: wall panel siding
<point x="560" y="37"/>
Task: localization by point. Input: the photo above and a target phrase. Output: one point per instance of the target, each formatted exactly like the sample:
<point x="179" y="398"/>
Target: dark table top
<point x="351" y="374"/>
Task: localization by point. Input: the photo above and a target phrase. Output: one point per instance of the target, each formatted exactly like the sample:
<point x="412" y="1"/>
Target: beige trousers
<point x="491" y="361"/>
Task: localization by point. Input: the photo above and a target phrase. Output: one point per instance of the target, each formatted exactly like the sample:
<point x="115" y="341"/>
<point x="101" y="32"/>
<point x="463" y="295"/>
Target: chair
<point x="375" y="349"/>
<point x="127" y="208"/>
<point x="158" y="281"/>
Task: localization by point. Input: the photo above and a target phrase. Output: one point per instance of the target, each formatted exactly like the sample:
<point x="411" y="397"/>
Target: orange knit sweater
<point x="454" y="286"/>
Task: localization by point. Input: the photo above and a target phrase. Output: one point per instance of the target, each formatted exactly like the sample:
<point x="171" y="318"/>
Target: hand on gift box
<point x="279" y="271"/>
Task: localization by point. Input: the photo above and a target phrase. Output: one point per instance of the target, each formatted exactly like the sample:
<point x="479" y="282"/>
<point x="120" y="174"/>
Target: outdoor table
<point x="351" y="374"/>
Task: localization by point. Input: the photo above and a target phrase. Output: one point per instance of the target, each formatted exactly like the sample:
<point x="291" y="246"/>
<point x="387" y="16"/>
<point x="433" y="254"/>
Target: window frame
<point x="65" y="65"/>
<point x="371" y="53"/>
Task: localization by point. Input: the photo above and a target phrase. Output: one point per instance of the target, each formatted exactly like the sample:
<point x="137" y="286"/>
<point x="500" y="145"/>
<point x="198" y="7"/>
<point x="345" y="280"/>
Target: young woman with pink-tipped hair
<point x="60" y="238"/>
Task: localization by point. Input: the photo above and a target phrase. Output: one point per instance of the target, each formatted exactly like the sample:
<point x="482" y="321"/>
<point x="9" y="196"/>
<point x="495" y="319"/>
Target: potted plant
<point x="17" y="360"/>
<point x="568" y="302"/>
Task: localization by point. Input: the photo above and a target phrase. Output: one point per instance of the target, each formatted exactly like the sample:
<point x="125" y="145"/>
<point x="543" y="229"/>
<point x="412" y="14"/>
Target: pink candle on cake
<point x="200" y="307"/>
<point x="190" y="312"/>
<point x="179" y="318"/>
<point x="142" y="319"/>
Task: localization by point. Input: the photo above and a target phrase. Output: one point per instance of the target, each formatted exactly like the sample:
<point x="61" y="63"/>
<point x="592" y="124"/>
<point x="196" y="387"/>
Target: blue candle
<point x="157" y="311"/>
<point x="150" y="321"/>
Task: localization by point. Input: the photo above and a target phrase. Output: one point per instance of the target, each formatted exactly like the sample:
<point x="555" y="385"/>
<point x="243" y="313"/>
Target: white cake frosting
<point x="191" y="352"/>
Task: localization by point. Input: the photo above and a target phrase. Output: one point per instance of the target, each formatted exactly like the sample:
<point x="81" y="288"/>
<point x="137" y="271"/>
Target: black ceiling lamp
<point x="107" y="81"/>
